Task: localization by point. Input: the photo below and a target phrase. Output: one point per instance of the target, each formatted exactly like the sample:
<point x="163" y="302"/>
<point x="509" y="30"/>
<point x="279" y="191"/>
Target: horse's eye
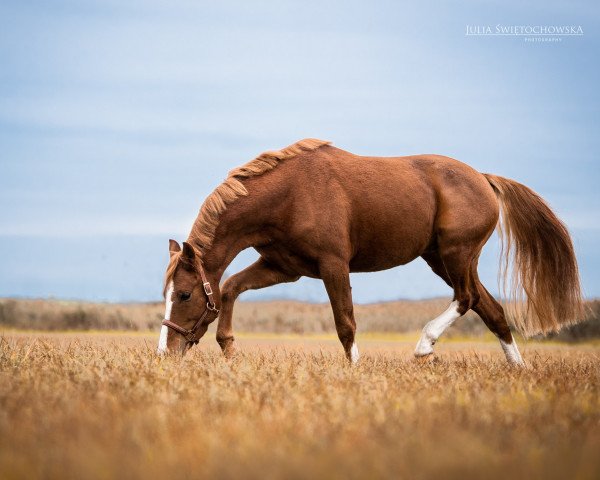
<point x="185" y="296"/>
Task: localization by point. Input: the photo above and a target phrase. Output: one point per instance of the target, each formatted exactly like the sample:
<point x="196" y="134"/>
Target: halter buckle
<point x="212" y="307"/>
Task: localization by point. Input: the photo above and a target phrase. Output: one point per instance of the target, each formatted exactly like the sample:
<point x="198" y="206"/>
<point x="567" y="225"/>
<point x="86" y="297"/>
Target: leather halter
<point x="191" y="335"/>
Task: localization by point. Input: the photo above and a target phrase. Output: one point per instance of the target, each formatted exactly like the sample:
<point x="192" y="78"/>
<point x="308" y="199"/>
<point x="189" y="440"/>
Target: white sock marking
<point x="162" y="339"/>
<point x="434" y="328"/>
<point x="512" y="353"/>
<point x="354" y="355"/>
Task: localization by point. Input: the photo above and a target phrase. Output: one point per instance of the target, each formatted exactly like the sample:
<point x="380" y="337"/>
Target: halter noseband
<point x="211" y="310"/>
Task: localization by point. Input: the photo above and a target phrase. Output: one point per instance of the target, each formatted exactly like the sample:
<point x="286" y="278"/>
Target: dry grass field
<point x="102" y="405"/>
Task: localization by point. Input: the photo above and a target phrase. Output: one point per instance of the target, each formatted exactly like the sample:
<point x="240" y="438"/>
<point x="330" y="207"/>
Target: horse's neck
<point x="237" y="230"/>
<point x="219" y="255"/>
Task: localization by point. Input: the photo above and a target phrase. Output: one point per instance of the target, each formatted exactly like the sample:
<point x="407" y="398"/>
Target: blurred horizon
<point x="117" y="120"/>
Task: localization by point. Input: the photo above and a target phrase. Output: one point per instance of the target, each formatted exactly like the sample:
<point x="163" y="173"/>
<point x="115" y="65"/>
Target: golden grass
<point x="104" y="406"/>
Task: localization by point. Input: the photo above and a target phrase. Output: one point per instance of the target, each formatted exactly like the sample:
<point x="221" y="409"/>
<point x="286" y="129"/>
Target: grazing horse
<point x="314" y="210"/>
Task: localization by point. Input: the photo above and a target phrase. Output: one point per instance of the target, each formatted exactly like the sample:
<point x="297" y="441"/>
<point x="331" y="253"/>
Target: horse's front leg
<point x="258" y="275"/>
<point x="336" y="277"/>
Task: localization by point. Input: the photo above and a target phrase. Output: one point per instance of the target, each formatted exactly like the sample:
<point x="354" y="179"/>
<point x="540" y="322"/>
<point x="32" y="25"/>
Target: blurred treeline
<point x="273" y="317"/>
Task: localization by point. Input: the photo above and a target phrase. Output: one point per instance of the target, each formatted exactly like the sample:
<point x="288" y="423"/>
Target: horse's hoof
<point x="424" y="348"/>
<point x="426" y="359"/>
<point x="229" y="352"/>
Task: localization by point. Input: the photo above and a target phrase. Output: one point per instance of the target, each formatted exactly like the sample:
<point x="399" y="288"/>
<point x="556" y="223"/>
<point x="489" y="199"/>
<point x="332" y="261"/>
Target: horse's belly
<point x="388" y="251"/>
<point x="393" y="231"/>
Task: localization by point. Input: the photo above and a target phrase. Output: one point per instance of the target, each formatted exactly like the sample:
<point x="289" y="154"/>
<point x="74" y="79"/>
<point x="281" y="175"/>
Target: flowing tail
<point x="544" y="267"/>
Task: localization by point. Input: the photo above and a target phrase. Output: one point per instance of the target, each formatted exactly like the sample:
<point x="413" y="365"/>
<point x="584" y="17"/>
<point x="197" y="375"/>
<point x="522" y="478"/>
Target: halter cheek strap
<point x="209" y="314"/>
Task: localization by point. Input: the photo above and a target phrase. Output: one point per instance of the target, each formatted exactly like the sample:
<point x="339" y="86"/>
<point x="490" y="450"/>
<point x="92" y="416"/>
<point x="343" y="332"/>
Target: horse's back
<point x="400" y="205"/>
<point x="377" y="212"/>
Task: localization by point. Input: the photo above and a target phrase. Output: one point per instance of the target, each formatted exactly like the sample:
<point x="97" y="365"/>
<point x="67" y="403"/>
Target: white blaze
<point x="162" y="340"/>
<point x="433" y="329"/>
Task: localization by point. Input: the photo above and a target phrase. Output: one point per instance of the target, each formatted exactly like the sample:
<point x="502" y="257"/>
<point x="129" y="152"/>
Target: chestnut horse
<point x="314" y="210"/>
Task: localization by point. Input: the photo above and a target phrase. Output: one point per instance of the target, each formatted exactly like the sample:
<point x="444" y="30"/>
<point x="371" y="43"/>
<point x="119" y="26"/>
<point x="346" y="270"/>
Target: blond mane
<point x="203" y="231"/>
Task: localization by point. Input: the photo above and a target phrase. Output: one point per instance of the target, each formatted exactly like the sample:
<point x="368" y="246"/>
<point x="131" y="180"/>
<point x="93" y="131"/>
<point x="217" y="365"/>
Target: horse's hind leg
<point x="453" y="265"/>
<point x="490" y="311"/>
<point x="492" y="314"/>
<point x="258" y="275"/>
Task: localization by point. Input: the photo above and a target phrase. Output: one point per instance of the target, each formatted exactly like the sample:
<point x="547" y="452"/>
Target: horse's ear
<point x="173" y="247"/>
<point x="188" y="253"/>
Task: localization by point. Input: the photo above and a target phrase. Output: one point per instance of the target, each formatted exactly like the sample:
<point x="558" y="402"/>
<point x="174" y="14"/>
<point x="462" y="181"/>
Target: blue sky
<point x="117" y="120"/>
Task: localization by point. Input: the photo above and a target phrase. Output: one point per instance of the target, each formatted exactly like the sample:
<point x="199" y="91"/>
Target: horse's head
<point x="190" y="304"/>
